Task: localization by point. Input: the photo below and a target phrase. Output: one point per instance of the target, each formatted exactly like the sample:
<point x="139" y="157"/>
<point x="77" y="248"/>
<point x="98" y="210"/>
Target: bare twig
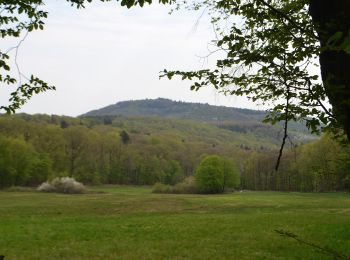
<point x="285" y="131"/>
<point x="324" y="250"/>
<point x="285" y="119"/>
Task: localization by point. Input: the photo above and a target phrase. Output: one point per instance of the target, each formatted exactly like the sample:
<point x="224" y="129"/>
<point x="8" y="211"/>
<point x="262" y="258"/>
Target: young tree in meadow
<point x="210" y="175"/>
<point x="215" y="173"/>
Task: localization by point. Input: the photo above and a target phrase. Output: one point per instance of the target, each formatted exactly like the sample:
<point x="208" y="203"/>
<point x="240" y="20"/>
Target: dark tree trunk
<point x="331" y="16"/>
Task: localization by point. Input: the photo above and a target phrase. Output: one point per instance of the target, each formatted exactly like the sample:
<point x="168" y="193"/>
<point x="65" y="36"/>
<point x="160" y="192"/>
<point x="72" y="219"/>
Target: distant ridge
<point x="166" y="108"/>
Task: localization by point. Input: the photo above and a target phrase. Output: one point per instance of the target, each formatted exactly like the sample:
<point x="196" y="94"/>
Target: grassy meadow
<point x="132" y="223"/>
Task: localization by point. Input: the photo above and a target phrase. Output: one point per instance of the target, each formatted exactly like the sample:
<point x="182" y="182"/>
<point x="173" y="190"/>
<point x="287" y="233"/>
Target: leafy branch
<point x="273" y="46"/>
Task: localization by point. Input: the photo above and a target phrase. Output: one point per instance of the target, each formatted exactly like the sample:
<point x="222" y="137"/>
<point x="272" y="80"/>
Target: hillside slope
<point x="237" y="120"/>
<point x="173" y="109"/>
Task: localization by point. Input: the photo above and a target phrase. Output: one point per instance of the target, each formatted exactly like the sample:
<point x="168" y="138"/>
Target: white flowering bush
<point x="63" y="185"/>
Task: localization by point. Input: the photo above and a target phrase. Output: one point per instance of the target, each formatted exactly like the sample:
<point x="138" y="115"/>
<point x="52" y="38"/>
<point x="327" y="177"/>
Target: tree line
<point x="34" y="149"/>
<point x="319" y="166"/>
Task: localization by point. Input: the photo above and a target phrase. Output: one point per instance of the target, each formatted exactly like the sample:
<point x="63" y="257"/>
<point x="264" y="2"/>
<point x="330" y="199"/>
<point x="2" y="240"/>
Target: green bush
<point x="215" y="174"/>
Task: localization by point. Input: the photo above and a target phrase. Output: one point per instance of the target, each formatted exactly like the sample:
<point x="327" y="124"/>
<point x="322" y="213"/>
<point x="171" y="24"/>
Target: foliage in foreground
<point x="63" y="185"/>
<point x="271" y="50"/>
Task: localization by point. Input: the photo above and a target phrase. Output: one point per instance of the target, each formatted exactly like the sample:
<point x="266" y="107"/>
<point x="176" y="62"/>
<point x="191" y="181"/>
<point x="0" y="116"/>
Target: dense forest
<point x="124" y="150"/>
<point x="145" y="150"/>
<point x="322" y="165"/>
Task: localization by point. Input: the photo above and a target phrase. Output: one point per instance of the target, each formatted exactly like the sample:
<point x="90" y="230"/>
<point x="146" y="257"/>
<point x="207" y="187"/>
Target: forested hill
<point x="236" y="120"/>
<point x="172" y="109"/>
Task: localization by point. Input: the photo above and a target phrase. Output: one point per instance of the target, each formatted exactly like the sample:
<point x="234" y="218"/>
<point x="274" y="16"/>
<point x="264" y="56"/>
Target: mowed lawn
<point x="133" y="223"/>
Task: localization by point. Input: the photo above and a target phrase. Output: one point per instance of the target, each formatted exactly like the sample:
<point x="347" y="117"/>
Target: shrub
<point x="63" y="185"/>
<point x="161" y="188"/>
<point x="187" y="186"/>
<point x="214" y="174"/>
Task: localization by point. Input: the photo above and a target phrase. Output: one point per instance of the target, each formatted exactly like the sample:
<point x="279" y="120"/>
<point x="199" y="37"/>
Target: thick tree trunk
<point x="331" y="16"/>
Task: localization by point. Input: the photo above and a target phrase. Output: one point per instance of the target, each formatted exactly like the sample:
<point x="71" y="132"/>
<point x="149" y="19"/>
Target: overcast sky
<point x="106" y="53"/>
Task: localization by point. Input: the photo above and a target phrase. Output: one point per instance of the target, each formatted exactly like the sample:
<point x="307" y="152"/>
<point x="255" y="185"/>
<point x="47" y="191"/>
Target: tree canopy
<point x="271" y="47"/>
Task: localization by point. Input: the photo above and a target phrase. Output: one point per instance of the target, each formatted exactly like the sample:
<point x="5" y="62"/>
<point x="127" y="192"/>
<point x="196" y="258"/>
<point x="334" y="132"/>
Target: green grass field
<point x="133" y="223"/>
